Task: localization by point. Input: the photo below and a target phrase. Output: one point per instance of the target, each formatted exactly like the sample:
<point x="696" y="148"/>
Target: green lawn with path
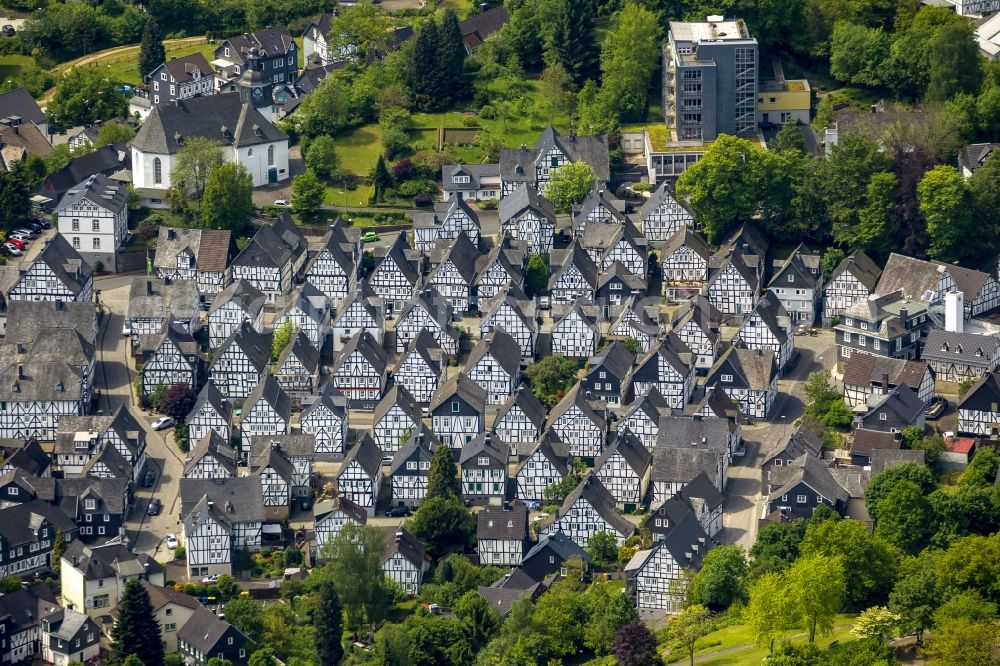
<point x="126" y="68"/>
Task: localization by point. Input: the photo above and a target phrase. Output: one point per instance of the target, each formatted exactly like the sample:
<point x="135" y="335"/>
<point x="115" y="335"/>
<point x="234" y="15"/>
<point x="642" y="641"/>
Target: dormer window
<point x="460" y="179"/>
<point x="90" y="504"/>
<point x="791" y="277"/>
<point x="882" y="416"/>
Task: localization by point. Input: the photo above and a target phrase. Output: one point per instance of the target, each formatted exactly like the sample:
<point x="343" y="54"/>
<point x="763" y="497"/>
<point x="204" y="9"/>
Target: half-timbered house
<point x="979" y="408"/>
<point x="576" y="333"/>
<point x="269" y="465"/>
<point x="360" y="310"/>
<point x="28" y="534"/>
<point x="20" y="619"/>
<point x="298" y="449"/>
<point x="529" y="217"/>
<point x="616" y="285"/>
<point x="638" y="322"/>
<point x="99" y="506"/>
<point x="662" y="215"/>
<point x="687" y="446"/>
<point x="624" y="468"/>
<point x="495" y="364"/>
<point x="454" y="277"/>
<point x="240" y="361"/>
<point x="733" y="286"/>
<point x="609" y="375"/>
<point x="597" y="206"/>
<point x="326" y="419"/>
<point x="427" y="310"/>
<point x="770" y="328"/>
<point x="334" y="267"/>
<point x="359" y="371"/>
<point x="957" y="357"/>
<point x="403" y="561"/>
<point x="411" y="466"/>
<point x="515" y="312"/>
<point x="446" y="222"/>
<point x="642" y="417"/>
<point x="309" y="312"/>
<point x="275" y="255"/>
<point x="798" y="283"/>
<point x="575" y="275"/>
<point x="330" y="515"/>
<point x="866" y="375"/>
<point x="483" y="465"/>
<point x="35" y="395"/>
<point x="152" y="301"/>
<point x="781" y="453"/>
<point x="651" y="574"/>
<point x="237" y="303"/>
<point x="697" y="325"/>
<point x="395" y="417"/>
<point x="267" y="411"/>
<point x="749" y="377"/>
<point x="498" y="268"/>
<point x="421" y="367"/>
<point x="684" y="260"/>
<point x="587" y="510"/>
<point x="211" y="458"/>
<point x="929" y="281"/>
<point x="199" y="255"/>
<point x="58" y="273"/>
<point x="173" y="357"/>
<point x="458" y="411"/>
<point x="852" y="280"/>
<point x="502" y="534"/>
<point x="80" y="439"/>
<point x="220" y="517"/>
<point x="211" y="412"/>
<point x="797" y="489"/>
<point x="394" y="277"/>
<point x="663" y="368"/>
<point x="544" y="465"/>
<point x="552" y="150"/>
<point x="578" y="425"/>
<point x="607" y="243"/>
<point x="520" y="420"/>
<point x="298" y="369"/>
<point x="360" y="477"/>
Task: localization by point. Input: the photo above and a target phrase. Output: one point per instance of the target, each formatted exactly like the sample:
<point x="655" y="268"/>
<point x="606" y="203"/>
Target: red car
<point x="19" y="244"/>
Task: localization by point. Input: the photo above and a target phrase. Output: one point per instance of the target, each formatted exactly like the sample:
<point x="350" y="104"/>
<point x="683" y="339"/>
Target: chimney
<point x="954" y="312"/>
<point x="60" y="305"/>
<point x="399" y="536"/>
<point x="885" y="382"/>
<point x="149" y="287"/>
<point x="904" y="315"/>
<point x="171" y="234"/>
<point x="20" y="371"/>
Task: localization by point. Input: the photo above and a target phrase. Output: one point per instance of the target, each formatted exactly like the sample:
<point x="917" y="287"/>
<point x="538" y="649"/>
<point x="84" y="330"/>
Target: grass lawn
<point x="360" y="149"/>
<point x="13" y="65"/>
<point x="355" y="196"/>
<point x="126" y="69"/>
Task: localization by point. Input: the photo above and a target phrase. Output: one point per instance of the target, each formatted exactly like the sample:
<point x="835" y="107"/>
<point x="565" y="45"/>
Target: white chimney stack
<point x="954" y="312"/>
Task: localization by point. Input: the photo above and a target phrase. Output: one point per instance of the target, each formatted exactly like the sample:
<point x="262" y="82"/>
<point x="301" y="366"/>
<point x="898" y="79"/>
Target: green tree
<point x="422" y="75"/>
<point x="10" y="584"/>
<point x="151" y="51"/>
<point x="876" y="222"/>
<point x="865" y="652"/>
<point x="228" y="199"/>
<point x="536" y="276"/>
<point x="113" y="132"/>
<point x="307" y="194"/>
<point x="551" y="377"/>
<point x="478" y="616"/>
<point x="573" y="44"/>
<point x="876" y="623"/>
<point x="958" y="643"/>
<point x="381" y="179"/>
<point x="883" y="483"/>
<point x="218" y="661"/>
<point x="789" y="139"/>
<point x="954" y="62"/>
<point x="946" y="203"/>
<point x="84" y="96"/>
<point x="58" y="548"/>
<point x="629" y="57"/>
<point x="322" y="157"/>
<point x="857" y="53"/>
<point x="443" y="523"/>
<point x="984" y="186"/>
<point x="568" y="185"/>
<point x="363" y="26"/>
<point x="246" y="615"/>
<point x="797" y="654"/>
<point x="196" y="158"/>
<point x="982" y="469"/>
<point x="603" y="548"/>
<point x="564" y="615"/>
<point x="914" y="598"/>
<point x="442" y="480"/>
<point x="283" y="336"/>
<point x="767" y="613"/>
<point x="872" y="561"/>
<point x="719" y="583"/>
<point x="353" y="563"/>
<point x="609" y="612"/>
<point x="262" y="657"/>
<point x="137" y="631"/>
<point x="686" y="627"/>
<point x="556" y="88"/>
<point x="328" y="621"/>
<point x="825" y="403"/>
<point x="776" y="547"/>
<point x="816" y="585"/>
<point x="451" y="59"/>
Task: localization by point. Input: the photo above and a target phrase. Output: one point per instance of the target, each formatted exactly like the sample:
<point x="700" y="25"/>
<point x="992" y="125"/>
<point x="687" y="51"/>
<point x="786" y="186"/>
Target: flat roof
<point x="722" y="30"/>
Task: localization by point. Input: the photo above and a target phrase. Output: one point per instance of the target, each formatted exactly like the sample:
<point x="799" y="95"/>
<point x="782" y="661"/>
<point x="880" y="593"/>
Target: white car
<point x="163" y="423"/>
<point x="172" y="542"/>
<point x="282" y="203"/>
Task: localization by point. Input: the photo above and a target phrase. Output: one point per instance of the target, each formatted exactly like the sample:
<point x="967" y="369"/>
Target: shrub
<point x="179" y="553"/>
<point x="488" y="112"/>
<point x="98" y="266"/>
<point x="402" y="170"/>
<point x="412" y="188"/>
<point x="642" y="187"/>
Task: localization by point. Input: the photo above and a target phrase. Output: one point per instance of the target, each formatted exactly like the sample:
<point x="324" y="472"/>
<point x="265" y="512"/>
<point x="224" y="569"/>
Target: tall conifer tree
<point x="151" y="51"/>
<point x="137" y="631"/>
<point x="573" y="44"/>
<point x="451" y="59"/>
<point x="329" y="622"/>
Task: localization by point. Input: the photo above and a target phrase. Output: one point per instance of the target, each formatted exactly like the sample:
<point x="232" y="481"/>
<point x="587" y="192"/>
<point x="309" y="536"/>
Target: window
<point x="454" y="406"/>
<point x="173" y="90"/>
<point x="484" y="460"/>
<point x="97" y="243"/>
<point x="170" y="626"/>
<point x="230" y="640"/>
<point x="777" y="462"/>
<point x="95" y="226"/>
<point x="862" y="341"/>
<point x="411" y="465"/>
<point x="12" y="490"/>
<point x="882" y="416"/>
<point x="801" y="499"/>
<point x="90" y="504"/>
<point x="226" y="53"/>
<point x="270" y="156"/>
<point x="76" y="225"/>
<point x="847" y="336"/>
<point x="603" y="375"/>
<point x="163" y="75"/>
<point x="157" y="171"/>
<point x="791" y="277"/>
<point x="727" y="379"/>
<point x="876" y="344"/>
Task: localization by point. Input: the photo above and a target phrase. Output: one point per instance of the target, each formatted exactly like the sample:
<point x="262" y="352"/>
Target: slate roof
<point x="67" y="264"/>
<point x="467" y="390"/>
<point x="915" y="278"/>
<point x="756" y="366"/>
<point x="701" y="488"/>
<point x="553" y="449"/>
<point x="26" y="320"/>
<point x="961" y="348"/>
<point x="477" y="28"/>
<point x="809" y="470"/>
<point x="663" y="193"/>
<point x="111" y="493"/>
<point x="427" y="347"/>
<point x="272" y="41"/>
<point x="21" y="139"/>
<point x="636" y="456"/>
<point x="596" y="494"/>
<point x="599" y="198"/>
<point x="18" y="521"/>
<point x="463" y="254"/>
<point x="40" y="381"/>
<point x="983" y="394"/>
<point x="864" y="370"/>
<point x="902" y="401"/>
<point x="422" y="439"/>
<point x="513" y="586"/>
<point x="861" y="266"/>
<point x="798" y="266"/>
<point x="104" y="160"/>
<point x="204" y="630"/>
<point x="325" y="507"/>
<point x="303" y="351"/>
<point x="211" y="394"/>
<point x="212" y="444"/>
<point x="21" y="606"/>
<point x="975" y="155"/>
<point x="575" y="396"/>
<point x="370" y="349"/>
<point x="235" y="500"/>
<point x="269" y="390"/>
<point x="210" y="248"/>
<point x="109" y="560"/>
<point x="565" y="547"/>
<point x="167" y="125"/>
<point x="405" y="544"/>
<point x="29" y="459"/>
<point x="635" y="283"/>
<point x="336" y="243"/>
<point x="268" y="456"/>
<point x="397" y="395"/>
<point x="182" y="68"/>
<point x="866" y="441"/>
<point x="161" y="596"/>
<point x="614" y="358"/>
<point x="590" y="149"/>
<point x="800" y="442"/>
<point x="265" y="249"/>
<point x="529" y="405"/>
<point x="249" y="298"/>
<point x="154" y="298"/>
<point x="685" y="237"/>
<point x="368" y="455"/>
<point x="310" y="78"/>
<point x="574" y="256"/>
<point x="882" y="459"/>
<point x="502" y="347"/>
<point x="503" y="522"/>
<point x="475" y="172"/>
<point x="19" y="102"/>
<point x="523" y="197"/>
<point x="442" y="211"/>
<point x="397" y="255"/>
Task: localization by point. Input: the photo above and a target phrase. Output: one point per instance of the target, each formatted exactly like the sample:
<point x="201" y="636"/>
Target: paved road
<point x="115" y="375"/>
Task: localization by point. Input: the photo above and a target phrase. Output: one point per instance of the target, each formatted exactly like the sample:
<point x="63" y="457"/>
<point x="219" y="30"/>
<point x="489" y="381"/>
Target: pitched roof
<point x="249" y="298"/>
<point x="103" y="160"/>
<point x="800" y="442"/>
<point x="599" y="198"/>
<point x="150" y="297"/>
<point x="485" y="443"/>
<point x="864" y="370"/>
<point x="502" y="347"/>
<point x="503" y="522"/>
<point x="427" y="347"/>
<point x="902" y="401"/>
<point x="576" y="397"/>
<point x="209" y="247"/>
<point x="18" y="522"/>
<point x="325" y="507"/>
<point x="182" y="68"/>
<point x="405" y="544"/>
<point x="67" y="264"/>
<point x="204" y="630"/>
<point x="626" y="444"/>
<point x="865" y="441"/>
<point x="702" y="488"/>
<point x="475" y="172"/>
<point x="368" y="455"/>
<point x="756" y="366"/>
<point x="963" y="348"/>
<point x="273" y="42"/>
<point x="685" y="237"/>
<point x="464" y="388"/>
<point x="663" y="194"/>
<point x="574" y="256"/>
<point x="861" y="266"/>
<point x="523" y="197"/>
<point x="397" y="396"/>
<point x="614" y="358"/>
<point x="210" y="394"/>
<point x="442" y="211"/>
<point x="232" y="500"/>
<point x="162" y="596"/>
<point x="422" y="440"/>
<point x="561" y="544"/>
<point x="524" y="399"/>
<point x="553" y="449"/>
<point x="368" y="347"/>
<point x="596" y="494"/>
<point x="915" y="278"/>
<point x="110" y="560"/>
<point x="984" y="394"/>
<point x="212" y="444"/>
<point x="19" y="102"/>
<point x="882" y="459"/>
<point x="223" y="118"/>
<point x="26" y="320"/>
<point x="813" y="472"/>
<point x="477" y="28"/>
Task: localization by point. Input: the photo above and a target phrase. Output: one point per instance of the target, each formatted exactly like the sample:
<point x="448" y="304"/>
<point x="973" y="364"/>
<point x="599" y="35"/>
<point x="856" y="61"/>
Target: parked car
<point x="936" y="407"/>
<point x="172" y="542"/>
<point x="282" y="203"/>
<point x="369" y="237"/>
<point x="24" y="231"/>
<point x="44" y="224"/>
<point x="163" y="423"/>
<point x="16" y="242"/>
<point x="208" y="580"/>
<point x="12" y="250"/>
<point x="8" y="30"/>
<point x="149" y="479"/>
<point x="155" y="506"/>
<point x="23" y="237"/>
<point x="35" y="224"/>
<point x="400" y="511"/>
